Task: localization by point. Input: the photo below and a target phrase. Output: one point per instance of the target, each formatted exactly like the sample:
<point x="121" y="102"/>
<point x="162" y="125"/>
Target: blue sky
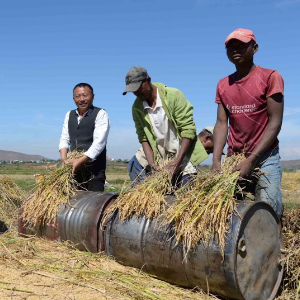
<point x="47" y="47"/>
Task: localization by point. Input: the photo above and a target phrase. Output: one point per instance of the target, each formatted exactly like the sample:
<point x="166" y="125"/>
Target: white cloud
<point x="289" y="140"/>
<point x="289" y="111"/>
<point x="290" y="130"/>
<point x="288" y="152"/>
<point x="279" y="4"/>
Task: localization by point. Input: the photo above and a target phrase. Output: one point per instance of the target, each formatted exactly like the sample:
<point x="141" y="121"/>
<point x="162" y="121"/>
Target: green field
<point x="24" y="174"/>
<point x="117" y="177"/>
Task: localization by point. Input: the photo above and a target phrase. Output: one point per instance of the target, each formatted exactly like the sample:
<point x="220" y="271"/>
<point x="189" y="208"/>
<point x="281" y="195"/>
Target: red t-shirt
<point x="246" y="102"/>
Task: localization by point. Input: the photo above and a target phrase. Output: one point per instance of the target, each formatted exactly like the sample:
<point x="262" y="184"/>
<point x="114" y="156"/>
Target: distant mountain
<point x="11" y="156"/>
<point x="291" y="164"/>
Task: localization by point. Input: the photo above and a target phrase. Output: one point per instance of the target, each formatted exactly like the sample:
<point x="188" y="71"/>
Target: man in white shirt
<point x="86" y="129"/>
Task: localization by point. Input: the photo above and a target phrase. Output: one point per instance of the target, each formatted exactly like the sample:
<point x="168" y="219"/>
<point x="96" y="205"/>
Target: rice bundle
<point x="203" y="210"/>
<point x="10" y="200"/>
<point x="52" y="191"/>
<point x="291" y="234"/>
<point x="146" y="198"/>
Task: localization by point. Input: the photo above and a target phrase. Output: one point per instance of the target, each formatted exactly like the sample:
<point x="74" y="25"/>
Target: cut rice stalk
<point x="56" y="189"/>
<point x="147" y="198"/>
<point x="10" y="200"/>
<point x="202" y="211"/>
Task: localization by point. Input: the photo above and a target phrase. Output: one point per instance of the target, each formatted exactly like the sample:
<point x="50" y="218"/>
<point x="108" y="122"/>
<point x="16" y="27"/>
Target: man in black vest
<point x="86" y="129"/>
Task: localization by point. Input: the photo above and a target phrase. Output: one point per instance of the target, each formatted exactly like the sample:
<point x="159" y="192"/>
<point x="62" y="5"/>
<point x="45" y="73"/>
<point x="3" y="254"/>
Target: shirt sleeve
<point x="139" y="128"/>
<point x="183" y="116"/>
<point x="64" y="141"/>
<point x="218" y="98"/>
<point x="100" y="135"/>
<point x="275" y="84"/>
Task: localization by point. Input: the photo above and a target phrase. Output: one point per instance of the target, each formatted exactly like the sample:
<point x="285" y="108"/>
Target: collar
<point x="87" y="113"/>
<point x="158" y="102"/>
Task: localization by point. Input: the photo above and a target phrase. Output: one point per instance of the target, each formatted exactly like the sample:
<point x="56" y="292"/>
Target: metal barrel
<point x="77" y="222"/>
<point x="250" y="270"/>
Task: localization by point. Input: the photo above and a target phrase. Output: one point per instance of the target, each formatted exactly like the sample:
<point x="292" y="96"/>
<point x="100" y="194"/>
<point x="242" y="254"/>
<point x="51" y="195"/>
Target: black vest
<point x="81" y="135"/>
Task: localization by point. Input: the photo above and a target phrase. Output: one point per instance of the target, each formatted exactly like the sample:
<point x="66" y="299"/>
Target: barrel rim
<point x="248" y="210"/>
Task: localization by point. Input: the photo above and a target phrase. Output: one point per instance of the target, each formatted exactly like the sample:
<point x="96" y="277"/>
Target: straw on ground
<point x="11" y="197"/>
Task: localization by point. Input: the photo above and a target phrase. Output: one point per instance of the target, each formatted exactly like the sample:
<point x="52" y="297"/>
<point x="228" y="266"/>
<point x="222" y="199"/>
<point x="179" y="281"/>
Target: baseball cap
<point x="243" y="35"/>
<point x="210" y="129"/>
<point x="134" y="79"/>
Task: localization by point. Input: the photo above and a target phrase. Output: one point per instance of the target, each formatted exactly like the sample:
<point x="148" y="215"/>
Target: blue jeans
<point x="137" y="173"/>
<point x="268" y="187"/>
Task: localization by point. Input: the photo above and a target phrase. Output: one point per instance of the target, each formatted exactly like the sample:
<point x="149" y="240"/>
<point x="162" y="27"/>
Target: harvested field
<point x="291" y="181"/>
<point x="33" y="268"/>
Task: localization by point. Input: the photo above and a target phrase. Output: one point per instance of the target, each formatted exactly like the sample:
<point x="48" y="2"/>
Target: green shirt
<point x="180" y="113"/>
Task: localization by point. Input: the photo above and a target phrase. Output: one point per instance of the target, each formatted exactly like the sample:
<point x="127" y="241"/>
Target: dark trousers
<point x="92" y="176"/>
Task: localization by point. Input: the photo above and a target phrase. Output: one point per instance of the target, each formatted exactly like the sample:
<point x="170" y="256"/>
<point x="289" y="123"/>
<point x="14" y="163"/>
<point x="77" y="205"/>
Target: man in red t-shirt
<point x="252" y="100"/>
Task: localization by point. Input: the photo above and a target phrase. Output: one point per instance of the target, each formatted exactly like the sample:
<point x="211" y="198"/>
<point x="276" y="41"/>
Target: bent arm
<point x="100" y="135"/>
<point x="275" y="115"/>
<point x="220" y="136"/>
<point x="149" y="154"/>
<point x="63" y="155"/>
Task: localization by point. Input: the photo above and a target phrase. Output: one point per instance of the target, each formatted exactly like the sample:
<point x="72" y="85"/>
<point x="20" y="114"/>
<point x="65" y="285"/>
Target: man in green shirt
<point x="164" y="124"/>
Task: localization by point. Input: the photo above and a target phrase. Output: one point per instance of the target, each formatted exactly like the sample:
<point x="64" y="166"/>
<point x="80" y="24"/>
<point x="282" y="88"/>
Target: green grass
<point x="117" y="181"/>
<point x="27" y="185"/>
<point x="117" y="174"/>
<point x="114" y="169"/>
<point x="23" y="169"/>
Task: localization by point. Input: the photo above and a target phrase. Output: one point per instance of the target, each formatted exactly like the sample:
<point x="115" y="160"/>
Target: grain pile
<point x="291" y="251"/>
<point x="10" y="200"/>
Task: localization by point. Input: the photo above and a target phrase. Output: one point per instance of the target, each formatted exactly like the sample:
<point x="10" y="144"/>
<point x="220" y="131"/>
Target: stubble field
<point x="34" y="268"/>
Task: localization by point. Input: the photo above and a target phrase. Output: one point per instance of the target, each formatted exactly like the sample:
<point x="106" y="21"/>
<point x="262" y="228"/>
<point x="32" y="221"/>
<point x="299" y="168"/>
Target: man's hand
<point x="78" y="163"/>
<point x="65" y="161"/>
<point x="245" y="167"/>
<point x="153" y="167"/>
<point x="63" y="156"/>
<point x="173" y="167"/>
<point x="216" y="167"/>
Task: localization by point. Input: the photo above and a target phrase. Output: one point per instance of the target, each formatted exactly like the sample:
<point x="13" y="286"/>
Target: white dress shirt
<point x="99" y="136"/>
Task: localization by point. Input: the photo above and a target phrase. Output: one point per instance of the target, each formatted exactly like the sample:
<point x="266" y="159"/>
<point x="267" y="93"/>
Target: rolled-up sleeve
<point x="100" y="135"/>
<point x="64" y="141"/>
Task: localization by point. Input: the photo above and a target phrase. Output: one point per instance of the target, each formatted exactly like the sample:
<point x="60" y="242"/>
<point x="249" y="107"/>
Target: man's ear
<point x="255" y="48"/>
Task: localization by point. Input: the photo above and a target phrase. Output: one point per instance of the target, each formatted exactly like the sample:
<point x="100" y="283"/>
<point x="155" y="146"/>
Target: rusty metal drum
<point x="251" y="269"/>
<point x="78" y="222"/>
